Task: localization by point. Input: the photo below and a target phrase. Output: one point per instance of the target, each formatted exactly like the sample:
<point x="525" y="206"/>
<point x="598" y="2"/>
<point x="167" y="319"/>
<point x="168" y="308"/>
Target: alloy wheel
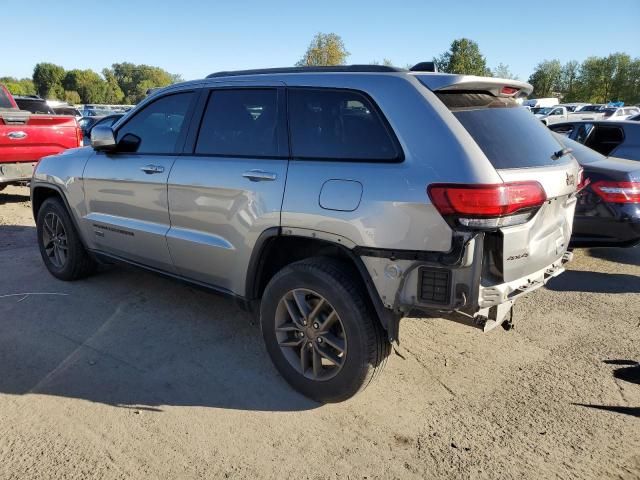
<point x="54" y="240"/>
<point x="310" y="334"/>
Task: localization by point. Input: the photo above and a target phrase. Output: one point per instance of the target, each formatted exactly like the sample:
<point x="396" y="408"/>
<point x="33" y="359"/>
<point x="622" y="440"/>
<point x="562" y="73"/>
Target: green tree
<point x="23" y="86"/>
<point x="570" y="84"/>
<point x="324" y="49"/>
<point x="113" y="93"/>
<point x="47" y="79"/>
<point x="88" y="84"/>
<point x="134" y="80"/>
<point x="546" y="78"/>
<point x="463" y="57"/>
<point x="72" y="97"/>
<point x="502" y="71"/>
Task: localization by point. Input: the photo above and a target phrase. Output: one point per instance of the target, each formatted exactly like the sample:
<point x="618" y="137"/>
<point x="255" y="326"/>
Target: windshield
<point x="543" y="111"/>
<point x="509" y="136"/>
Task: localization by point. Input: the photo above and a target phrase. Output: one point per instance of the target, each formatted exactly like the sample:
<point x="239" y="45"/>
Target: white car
<point x="620" y="113"/>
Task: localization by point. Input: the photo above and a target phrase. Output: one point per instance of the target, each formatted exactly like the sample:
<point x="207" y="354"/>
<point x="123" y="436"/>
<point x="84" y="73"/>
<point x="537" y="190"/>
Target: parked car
<point x="67" y="110"/>
<point x="34" y="104"/>
<point x="541" y="102"/>
<point x="620" y="113"/>
<point x="332" y="201"/>
<point x="615" y="139"/>
<point x="608" y="210"/>
<point x="88" y="123"/>
<point x="27" y="137"/>
<point x="551" y="115"/>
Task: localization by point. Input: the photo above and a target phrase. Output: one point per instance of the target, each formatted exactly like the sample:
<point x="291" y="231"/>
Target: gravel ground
<point x="128" y="375"/>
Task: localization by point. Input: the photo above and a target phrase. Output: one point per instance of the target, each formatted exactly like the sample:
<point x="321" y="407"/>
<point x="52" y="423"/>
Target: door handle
<point x="259" y="176"/>
<point x="149" y="169"/>
<point x="16" y="135"/>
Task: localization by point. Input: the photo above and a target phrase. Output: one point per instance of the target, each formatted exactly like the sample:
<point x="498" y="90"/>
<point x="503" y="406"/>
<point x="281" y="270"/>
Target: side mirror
<point x="102" y="138"/>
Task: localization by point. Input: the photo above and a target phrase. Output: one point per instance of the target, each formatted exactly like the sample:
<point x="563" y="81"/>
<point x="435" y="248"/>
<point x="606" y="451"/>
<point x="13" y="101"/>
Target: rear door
<point x="521" y="149"/>
<point x="227" y="187"/>
<point x="126" y="191"/>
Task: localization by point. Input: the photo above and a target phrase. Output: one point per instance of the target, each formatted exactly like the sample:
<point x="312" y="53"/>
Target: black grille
<point x="435" y="285"/>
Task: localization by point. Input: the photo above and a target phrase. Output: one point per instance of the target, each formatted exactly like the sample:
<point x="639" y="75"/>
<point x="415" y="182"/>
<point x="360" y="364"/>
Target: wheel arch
<point x="41" y="192"/>
<point x="275" y="250"/>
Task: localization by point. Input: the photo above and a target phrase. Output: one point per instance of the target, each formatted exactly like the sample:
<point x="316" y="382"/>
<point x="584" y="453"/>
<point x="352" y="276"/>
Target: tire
<point x="354" y="328"/>
<point x="76" y="263"/>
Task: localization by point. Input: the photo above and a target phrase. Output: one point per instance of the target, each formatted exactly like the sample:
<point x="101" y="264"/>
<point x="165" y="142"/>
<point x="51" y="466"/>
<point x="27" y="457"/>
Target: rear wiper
<point x="561" y="153"/>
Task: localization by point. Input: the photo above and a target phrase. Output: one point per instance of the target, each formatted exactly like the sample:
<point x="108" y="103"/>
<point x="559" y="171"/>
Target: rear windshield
<point x="34" y="106"/>
<point x="508" y="134"/>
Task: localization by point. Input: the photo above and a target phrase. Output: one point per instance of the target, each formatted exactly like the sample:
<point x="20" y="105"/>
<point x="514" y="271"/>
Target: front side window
<point x="157" y="127"/>
<point x="242" y="122"/>
<point x="338" y="124"/>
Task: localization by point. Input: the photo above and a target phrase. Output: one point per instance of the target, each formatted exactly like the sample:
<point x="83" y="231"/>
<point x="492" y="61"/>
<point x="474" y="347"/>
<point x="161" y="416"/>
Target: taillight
<point x="617" y="192"/>
<point x="487" y="206"/>
<point x="80" y="136"/>
<point x="509" y="90"/>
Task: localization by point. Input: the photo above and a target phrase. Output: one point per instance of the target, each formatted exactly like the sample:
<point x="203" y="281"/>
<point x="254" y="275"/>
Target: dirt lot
<point x="127" y="375"/>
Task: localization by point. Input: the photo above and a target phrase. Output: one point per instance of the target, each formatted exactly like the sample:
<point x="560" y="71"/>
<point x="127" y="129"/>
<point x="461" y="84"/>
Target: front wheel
<point x="319" y="330"/>
<point x="60" y="246"/>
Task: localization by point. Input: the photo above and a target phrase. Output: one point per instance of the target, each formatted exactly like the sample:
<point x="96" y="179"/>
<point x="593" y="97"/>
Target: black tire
<point x="78" y="264"/>
<point x="366" y="344"/>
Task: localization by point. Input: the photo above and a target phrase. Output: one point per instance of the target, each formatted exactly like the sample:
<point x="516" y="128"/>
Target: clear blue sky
<point x="194" y="38"/>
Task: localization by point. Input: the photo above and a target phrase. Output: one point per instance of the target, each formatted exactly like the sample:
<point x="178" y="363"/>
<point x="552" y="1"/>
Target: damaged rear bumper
<point x="455" y="287"/>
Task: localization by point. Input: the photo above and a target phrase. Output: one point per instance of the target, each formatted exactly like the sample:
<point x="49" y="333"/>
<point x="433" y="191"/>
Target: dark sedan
<point x="87" y="124"/>
<point x="608" y="208"/>
<point x="619" y="139"/>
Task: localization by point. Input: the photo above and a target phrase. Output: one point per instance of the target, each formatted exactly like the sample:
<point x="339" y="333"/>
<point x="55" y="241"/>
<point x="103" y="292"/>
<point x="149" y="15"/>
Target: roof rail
<point x="338" y="68"/>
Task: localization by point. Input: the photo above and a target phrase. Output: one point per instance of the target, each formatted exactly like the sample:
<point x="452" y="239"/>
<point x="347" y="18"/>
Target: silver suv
<point x="333" y="201"/>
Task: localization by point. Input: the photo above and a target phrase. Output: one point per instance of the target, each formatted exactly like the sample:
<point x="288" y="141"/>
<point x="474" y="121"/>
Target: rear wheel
<point x="62" y="252"/>
<point x="319" y="330"/>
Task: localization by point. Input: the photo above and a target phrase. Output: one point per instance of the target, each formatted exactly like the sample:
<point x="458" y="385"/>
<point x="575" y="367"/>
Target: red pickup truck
<point x="26" y="138"/>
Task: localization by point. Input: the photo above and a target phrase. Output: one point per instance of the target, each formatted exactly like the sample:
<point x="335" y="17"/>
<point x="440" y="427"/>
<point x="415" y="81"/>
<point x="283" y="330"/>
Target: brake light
<point x="509" y="90"/>
<point x="487" y="206"/>
<point x="618" y="192"/>
<point x="79" y="136"/>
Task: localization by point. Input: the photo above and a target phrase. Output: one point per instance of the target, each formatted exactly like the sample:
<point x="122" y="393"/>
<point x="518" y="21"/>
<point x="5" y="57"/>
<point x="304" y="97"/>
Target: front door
<point x="228" y="187"/>
<point x="126" y="191"/>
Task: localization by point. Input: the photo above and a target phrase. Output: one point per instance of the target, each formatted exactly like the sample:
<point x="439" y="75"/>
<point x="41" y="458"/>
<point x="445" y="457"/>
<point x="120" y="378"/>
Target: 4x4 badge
<point x="571" y="179"/>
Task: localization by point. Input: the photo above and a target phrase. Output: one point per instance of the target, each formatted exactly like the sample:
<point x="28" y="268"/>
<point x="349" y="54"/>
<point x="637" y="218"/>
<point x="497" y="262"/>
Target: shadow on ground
<point x="594" y="282"/>
<point x="128" y="338"/>
<point x="12" y="198"/>
<point x="629" y="372"/>
<point x="630" y="256"/>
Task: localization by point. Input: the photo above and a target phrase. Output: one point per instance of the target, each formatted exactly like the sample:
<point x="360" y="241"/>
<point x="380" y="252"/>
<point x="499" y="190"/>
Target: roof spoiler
<point x="502" y="87"/>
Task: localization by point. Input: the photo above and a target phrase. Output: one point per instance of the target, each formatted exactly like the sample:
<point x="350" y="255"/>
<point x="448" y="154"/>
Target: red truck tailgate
<point x="28" y="138"/>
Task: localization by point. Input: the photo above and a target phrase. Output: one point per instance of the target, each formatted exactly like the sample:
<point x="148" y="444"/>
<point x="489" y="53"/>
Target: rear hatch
<point x="521" y="149"/>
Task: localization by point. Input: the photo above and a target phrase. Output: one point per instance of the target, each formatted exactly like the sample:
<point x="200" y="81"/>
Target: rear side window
<point x="4" y="99"/>
<point x="508" y="135"/>
<point x="338" y="125"/>
<point x="605" y="139"/>
<point x="241" y="122"/>
<point x="157" y="127"/>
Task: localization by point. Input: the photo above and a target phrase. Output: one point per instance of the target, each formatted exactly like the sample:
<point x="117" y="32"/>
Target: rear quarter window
<point x="509" y="135"/>
<point x="336" y="124"/>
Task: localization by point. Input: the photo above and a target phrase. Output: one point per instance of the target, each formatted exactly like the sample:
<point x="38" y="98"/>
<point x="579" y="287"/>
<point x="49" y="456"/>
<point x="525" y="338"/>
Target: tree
<point x="135" y="80"/>
<point x="88" y="84"/>
<point x="72" y="97"/>
<point x="546" y="78"/>
<point x="47" y="79"/>
<point x="23" y="86"/>
<point x="463" y="57"/>
<point x="324" y="49"/>
<point x="502" y="71"/>
<point x="569" y="82"/>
